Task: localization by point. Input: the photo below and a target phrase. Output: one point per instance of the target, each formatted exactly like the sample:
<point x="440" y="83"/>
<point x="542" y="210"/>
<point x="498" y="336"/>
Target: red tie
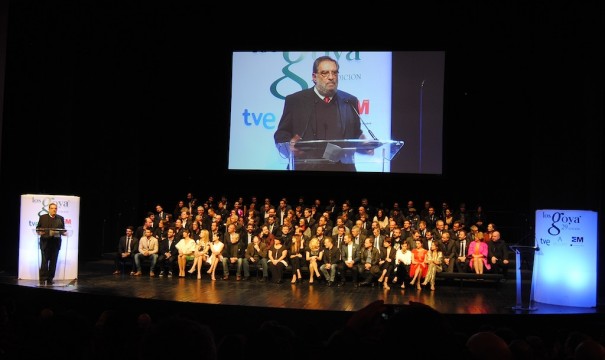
<point x="327" y="99"/>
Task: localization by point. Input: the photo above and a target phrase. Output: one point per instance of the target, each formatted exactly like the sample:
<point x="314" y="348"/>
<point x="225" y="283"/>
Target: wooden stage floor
<point x="469" y="297"/>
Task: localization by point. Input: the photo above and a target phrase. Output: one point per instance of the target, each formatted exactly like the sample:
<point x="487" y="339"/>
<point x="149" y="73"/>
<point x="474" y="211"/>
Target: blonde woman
<point x="478" y="252"/>
<point x="314" y="255"/>
<point x="201" y="253"/>
<point x="434" y="258"/>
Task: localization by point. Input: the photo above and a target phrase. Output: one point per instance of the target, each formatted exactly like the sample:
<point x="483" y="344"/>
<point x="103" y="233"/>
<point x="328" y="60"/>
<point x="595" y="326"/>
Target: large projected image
<point x="384" y="111"/>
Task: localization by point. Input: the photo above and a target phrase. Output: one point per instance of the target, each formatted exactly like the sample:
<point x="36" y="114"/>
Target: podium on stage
<point x="525" y="286"/>
<point x="32" y="207"/>
<point x="319" y="153"/>
<point x="51" y="232"/>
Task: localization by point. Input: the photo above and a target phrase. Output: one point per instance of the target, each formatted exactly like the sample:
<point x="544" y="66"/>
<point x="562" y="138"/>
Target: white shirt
<point x="403" y="257"/>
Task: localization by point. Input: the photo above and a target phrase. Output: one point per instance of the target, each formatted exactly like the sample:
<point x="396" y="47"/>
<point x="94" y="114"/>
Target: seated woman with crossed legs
<point x="477" y="252"/>
<point x="419" y="268"/>
<point x="216" y="253"/>
<point x="296" y="256"/>
<point x="201" y="253"/>
<point x="186" y="247"/>
<point x="434" y="258"/>
<point x="314" y="255"/>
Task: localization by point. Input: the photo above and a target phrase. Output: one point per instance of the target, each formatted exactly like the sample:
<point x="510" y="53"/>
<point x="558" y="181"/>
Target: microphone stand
<point x="420" y="129"/>
<point x="65" y="257"/>
<point x="363" y="122"/>
<point x="39" y="251"/>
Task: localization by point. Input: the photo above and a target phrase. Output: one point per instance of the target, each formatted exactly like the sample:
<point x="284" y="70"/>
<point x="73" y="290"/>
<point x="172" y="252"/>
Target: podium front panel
<point x="367" y="155"/>
<point x="34" y="205"/>
<point x="566" y="266"/>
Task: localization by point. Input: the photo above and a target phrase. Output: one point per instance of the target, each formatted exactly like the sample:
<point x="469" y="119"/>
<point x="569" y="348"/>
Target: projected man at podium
<point x="312" y="117"/>
<point x="50" y="228"/>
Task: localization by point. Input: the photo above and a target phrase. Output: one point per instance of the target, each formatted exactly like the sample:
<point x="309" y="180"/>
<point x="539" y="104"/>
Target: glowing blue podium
<point x="566" y="263"/>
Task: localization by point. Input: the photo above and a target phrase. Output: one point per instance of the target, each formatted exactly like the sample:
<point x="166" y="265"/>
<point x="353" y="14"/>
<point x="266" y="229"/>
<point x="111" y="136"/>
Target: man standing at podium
<point x="320" y="113"/>
<point x="50" y="242"/>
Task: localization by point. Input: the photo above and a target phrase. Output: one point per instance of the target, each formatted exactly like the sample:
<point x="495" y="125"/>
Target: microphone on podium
<point x="420" y="109"/>
<point x="360" y="119"/>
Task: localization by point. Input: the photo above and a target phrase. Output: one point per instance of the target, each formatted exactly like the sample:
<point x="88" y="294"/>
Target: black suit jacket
<point x="241" y="248"/>
<point x="380" y="242"/>
<point x="363" y="258"/>
<point x="362" y="240"/>
<point x="298" y="117"/>
<point x="344" y="251"/>
<point x="279" y="213"/>
<point x="392" y="254"/>
<point x="134" y="246"/>
<point x="139" y="232"/>
<point x="165" y="247"/>
<point x="449" y="250"/>
<point x="46" y="222"/>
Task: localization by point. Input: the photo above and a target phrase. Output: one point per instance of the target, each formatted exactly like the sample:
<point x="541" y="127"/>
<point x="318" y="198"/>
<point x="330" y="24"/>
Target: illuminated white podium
<point x="32" y="206"/>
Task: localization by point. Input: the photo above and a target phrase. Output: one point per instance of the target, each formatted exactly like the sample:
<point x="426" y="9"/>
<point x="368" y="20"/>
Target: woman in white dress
<point x="186" y="247"/>
<point x="216" y="250"/>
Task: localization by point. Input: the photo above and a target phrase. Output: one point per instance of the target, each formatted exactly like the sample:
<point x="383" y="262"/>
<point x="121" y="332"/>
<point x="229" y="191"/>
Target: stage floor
<point x="468" y="297"/>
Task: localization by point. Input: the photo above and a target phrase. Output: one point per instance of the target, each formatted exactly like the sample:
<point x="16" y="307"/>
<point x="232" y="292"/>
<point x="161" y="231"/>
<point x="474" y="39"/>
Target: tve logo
<point x="266" y="120"/>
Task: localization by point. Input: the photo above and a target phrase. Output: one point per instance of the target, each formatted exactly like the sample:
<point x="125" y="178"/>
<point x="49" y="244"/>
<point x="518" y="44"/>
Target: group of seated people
<point x="309" y="245"/>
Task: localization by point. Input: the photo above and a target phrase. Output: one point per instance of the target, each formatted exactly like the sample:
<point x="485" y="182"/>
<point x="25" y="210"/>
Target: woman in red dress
<point x="418" y="268"/>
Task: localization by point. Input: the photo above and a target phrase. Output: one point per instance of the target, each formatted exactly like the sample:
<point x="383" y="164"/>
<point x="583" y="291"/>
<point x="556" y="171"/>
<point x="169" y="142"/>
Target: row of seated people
<point x="307" y="220"/>
<point x="309" y="225"/>
<point x="393" y="259"/>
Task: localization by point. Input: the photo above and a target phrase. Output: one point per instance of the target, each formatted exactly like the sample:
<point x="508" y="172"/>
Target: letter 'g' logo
<point x="288" y="75"/>
<point x="291" y="60"/>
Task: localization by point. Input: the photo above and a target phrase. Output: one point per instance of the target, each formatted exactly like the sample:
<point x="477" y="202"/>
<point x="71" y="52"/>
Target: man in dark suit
<point x="140" y="231"/>
<point x="368" y="263"/>
<point x="349" y="254"/>
<point x="320" y="113"/>
<point x="50" y="242"/>
<point x="234" y="252"/>
<point x="498" y="254"/>
<point x="128" y="245"/>
<point x="357" y="235"/>
<point x="168" y="254"/>
<point x="462" y="259"/>
<point x="377" y="239"/>
<point x="449" y="248"/>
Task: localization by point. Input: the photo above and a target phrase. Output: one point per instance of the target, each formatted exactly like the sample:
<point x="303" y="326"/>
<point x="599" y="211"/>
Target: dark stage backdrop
<point x="126" y="104"/>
